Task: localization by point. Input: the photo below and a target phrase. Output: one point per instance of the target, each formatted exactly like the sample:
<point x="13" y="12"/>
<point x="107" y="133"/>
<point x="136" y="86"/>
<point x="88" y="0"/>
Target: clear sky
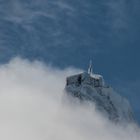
<point x="71" y="32"/>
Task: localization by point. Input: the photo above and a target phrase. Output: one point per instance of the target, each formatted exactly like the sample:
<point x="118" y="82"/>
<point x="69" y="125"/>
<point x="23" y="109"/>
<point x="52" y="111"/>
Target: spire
<point x="90" y="71"/>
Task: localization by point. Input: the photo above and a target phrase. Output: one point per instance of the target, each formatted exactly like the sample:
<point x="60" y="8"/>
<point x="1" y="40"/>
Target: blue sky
<point x="71" y="32"/>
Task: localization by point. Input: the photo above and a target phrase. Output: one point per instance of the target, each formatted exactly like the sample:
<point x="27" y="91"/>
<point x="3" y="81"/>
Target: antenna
<point x="90" y="71"/>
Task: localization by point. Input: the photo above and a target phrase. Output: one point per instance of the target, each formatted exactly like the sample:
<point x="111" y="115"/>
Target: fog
<point x="34" y="106"/>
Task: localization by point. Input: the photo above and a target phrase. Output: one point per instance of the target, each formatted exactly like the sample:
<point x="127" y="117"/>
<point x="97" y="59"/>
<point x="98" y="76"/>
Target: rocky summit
<point x="91" y="87"/>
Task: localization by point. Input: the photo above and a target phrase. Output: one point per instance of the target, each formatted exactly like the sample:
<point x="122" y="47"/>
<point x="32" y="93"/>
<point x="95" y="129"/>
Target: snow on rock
<point x="87" y="87"/>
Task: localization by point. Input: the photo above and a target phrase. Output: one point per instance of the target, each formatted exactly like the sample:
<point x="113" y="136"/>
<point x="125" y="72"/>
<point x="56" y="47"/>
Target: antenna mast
<point x="90" y="70"/>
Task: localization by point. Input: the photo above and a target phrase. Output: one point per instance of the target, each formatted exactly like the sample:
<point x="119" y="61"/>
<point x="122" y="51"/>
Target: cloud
<point x="33" y="107"/>
<point x="119" y="14"/>
<point x="25" y="12"/>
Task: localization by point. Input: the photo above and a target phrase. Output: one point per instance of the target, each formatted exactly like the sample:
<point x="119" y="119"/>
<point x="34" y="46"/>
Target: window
<point x="96" y="82"/>
<point x="79" y="80"/>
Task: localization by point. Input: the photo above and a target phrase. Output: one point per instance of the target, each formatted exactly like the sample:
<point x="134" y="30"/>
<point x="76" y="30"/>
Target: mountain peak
<point x="91" y="87"/>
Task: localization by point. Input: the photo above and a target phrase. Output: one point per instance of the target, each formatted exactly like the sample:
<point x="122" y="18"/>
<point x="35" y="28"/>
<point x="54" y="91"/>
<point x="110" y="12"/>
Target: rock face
<point x="87" y="87"/>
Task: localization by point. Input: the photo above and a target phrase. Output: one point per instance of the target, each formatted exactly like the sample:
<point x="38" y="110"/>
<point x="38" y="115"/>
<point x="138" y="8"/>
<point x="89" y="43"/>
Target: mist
<point x="34" y="106"/>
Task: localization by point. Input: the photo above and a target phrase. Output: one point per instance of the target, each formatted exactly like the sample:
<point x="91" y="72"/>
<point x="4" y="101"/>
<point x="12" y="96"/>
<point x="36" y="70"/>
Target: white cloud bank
<point x="33" y="107"/>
